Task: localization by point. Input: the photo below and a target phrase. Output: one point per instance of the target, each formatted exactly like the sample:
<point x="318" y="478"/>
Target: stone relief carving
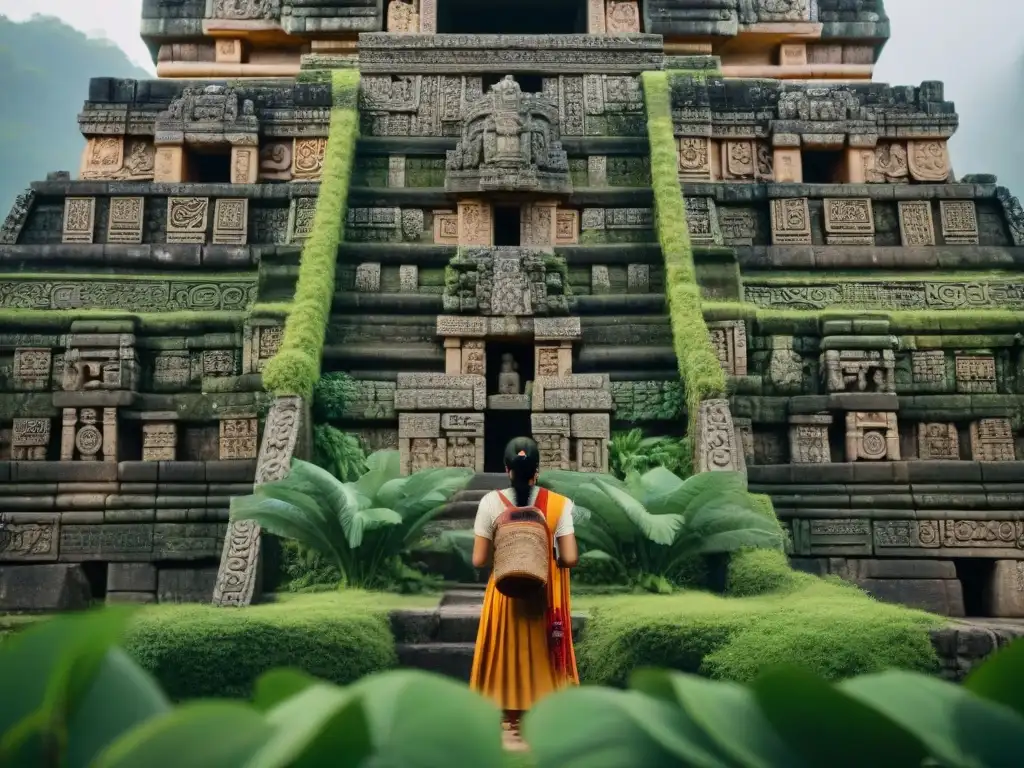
<point x="246" y="10"/>
<point x="506" y="281"/>
<point x="212" y="114"/>
<point x="717" y="448"/>
<point x="239" y="565"/>
<point x="510" y="141"/>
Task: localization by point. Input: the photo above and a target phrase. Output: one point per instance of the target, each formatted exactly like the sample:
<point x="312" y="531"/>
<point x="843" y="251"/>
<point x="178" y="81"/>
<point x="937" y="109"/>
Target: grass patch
<point x="829" y="627"/>
<point x="699" y="367"/>
<point x="200" y="651"/>
<point x="294" y="370"/>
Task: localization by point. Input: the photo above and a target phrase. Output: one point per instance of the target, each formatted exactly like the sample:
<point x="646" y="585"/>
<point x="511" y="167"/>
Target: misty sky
<point x="976" y="48"/>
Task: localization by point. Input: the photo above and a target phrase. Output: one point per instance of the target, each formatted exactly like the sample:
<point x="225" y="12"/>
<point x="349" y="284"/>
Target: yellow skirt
<point x="512" y="664"/>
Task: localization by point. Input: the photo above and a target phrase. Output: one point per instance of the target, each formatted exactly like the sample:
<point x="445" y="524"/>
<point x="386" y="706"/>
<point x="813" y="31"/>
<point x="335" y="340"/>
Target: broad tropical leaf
<point x="999" y="678"/>
<point x="659" y="529"/>
<point x="728" y="713"/>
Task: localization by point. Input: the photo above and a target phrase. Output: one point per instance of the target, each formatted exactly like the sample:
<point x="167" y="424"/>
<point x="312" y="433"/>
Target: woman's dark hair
<point x="522" y="459"/>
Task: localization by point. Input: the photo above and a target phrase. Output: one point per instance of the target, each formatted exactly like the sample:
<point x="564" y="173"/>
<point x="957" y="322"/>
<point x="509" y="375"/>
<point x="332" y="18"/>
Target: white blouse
<point x="491" y="508"/>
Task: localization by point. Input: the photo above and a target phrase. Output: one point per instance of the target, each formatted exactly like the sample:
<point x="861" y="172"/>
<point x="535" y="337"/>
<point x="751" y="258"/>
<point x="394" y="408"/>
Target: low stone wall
<point x="964" y="645"/>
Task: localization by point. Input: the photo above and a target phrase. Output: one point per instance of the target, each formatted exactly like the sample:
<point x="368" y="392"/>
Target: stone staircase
<point x="441" y="640"/>
<point x="462" y="506"/>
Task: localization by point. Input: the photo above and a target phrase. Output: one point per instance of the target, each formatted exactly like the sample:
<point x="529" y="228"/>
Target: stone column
<point x="590" y="433"/>
<point x="551" y="431"/>
<point x="717" y="447"/>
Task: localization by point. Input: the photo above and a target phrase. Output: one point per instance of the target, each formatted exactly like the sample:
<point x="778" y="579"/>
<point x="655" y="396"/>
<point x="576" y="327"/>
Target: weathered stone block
<point x="57" y="587"/>
<point x="131" y="577"/>
<point x="186" y="585"/>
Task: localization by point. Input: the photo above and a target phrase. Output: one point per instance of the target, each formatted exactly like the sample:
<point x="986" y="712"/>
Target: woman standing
<point x="523" y="646"/>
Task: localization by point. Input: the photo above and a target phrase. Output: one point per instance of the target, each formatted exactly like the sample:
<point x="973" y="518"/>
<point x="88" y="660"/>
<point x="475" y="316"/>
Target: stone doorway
<point x="507" y="225"/>
<point x="499" y="427"/>
<point x="512" y="17"/>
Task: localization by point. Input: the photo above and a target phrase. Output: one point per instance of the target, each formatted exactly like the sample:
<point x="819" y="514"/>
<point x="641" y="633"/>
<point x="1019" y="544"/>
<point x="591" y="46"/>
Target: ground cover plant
<point x="70" y="697"/>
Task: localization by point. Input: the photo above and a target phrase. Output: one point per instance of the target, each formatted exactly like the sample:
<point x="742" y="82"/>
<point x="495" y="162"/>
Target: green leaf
<point x="410" y="716"/>
<point x="728" y="713"/>
<point x="283" y="519"/>
<point x="45" y="671"/>
<point x="199" y="735"/>
<point x="828" y="727"/>
<point x="604" y="728"/>
<point x="321" y="725"/>
<point x="957" y="727"/>
<point x="277" y="685"/>
<point x="383" y="466"/>
<point x="121" y="697"/>
<point x="1001" y="678"/>
<point x="659" y="529"/>
<point x="710" y="483"/>
<point x="361" y="521"/>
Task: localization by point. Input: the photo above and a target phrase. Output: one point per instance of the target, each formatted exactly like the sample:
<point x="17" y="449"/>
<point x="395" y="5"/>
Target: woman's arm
<point x="482" y="550"/>
<point x="568" y="552"/>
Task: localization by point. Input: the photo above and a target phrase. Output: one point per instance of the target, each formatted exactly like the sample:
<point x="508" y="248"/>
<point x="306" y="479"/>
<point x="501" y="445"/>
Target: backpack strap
<point x="507" y="504"/>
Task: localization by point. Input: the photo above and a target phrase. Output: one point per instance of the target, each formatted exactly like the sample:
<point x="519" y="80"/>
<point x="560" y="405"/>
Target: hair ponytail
<point x="522" y="459"/>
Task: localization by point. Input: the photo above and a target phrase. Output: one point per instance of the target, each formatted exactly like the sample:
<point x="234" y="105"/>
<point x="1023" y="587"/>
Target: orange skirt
<point x="512" y="664"/>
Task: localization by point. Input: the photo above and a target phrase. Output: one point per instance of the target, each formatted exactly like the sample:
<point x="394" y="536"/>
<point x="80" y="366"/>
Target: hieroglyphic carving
<point x="959" y="222"/>
<point x="702" y="221"/>
<point x="694" y="159"/>
<point x="159" y="441"/>
<point x="938" y="442"/>
<point x="596" y="17"/>
<point x="547" y="362"/>
<point x="730" y="342"/>
<point x="976" y="374"/>
<point x="928" y="367"/>
<point x="21" y="542"/>
<point x="849" y="221"/>
<point x="446" y="228"/>
<point x="402" y="18"/>
<point x="239" y="565"/>
<point x="623" y="17"/>
<point x="113" y="158"/>
<point x="475" y="226"/>
<point x="474" y="360"/>
<point x="125" y="220"/>
<point x="428" y="17"/>
<point x="300" y="219"/>
<point x="219" y="362"/>
<point x="238" y="436"/>
<point x="79" y="220"/>
<point x="276" y="161"/>
<point x="567" y="227"/>
<point x="889" y="164"/>
<point x="808" y="439"/>
<point x="791" y="222"/>
<point x="928" y="160"/>
<point x="408" y="278"/>
<point x="246" y="10"/>
<point x="917" y="228"/>
<point x="30" y="439"/>
<point x="308" y="159"/>
<point x="777" y="10"/>
<point x="872" y="437"/>
<point x="244" y="165"/>
<point x="738" y="225"/>
<point x="716" y="439"/>
<point x="187" y="218"/>
<point x="992" y="440"/>
<point x="32" y="368"/>
<point x="172" y="370"/>
<point x="231" y="221"/>
<point x="859" y="370"/>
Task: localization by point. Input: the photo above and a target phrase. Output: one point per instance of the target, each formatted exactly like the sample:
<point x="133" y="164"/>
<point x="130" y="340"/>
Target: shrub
<point x="632" y="452"/>
<point x="338" y="452"/>
<point x="361" y="527"/>
<point x="198" y="651"/>
<point x="332" y="395"/>
<point x="832" y="629"/>
<point x="295" y="369"/>
<point x="699" y="366"/>
<point x="657" y="526"/>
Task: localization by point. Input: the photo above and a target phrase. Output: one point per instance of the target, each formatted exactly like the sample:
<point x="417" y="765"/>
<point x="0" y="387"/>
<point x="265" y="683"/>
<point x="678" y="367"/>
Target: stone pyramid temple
<point x="558" y="218"/>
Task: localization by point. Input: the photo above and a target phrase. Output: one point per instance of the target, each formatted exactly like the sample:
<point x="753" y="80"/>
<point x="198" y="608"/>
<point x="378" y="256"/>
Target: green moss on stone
<point x="295" y="369"/>
<point x="424" y="172"/>
<point x="699" y="366"/>
<point x="370" y="172"/>
<point x="629" y="171"/>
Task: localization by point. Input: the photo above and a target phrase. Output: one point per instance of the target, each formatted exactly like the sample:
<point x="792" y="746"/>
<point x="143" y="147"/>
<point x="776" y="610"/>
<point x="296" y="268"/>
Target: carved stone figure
<point x="213" y="114"/>
<point x="510" y="142"/>
<point x="508" y="379"/>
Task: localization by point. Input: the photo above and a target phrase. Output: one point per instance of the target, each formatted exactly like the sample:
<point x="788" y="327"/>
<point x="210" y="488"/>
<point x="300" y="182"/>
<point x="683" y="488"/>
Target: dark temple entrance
<point x="512" y="17"/>
<point x="499" y="428"/>
<point x="509" y="416"/>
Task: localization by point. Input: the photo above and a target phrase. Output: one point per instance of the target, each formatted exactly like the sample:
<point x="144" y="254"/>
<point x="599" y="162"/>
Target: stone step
<point x="466" y="596"/>
<point x="452" y="624"/>
<point x="450" y="659"/>
<point x="463" y="505"/>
